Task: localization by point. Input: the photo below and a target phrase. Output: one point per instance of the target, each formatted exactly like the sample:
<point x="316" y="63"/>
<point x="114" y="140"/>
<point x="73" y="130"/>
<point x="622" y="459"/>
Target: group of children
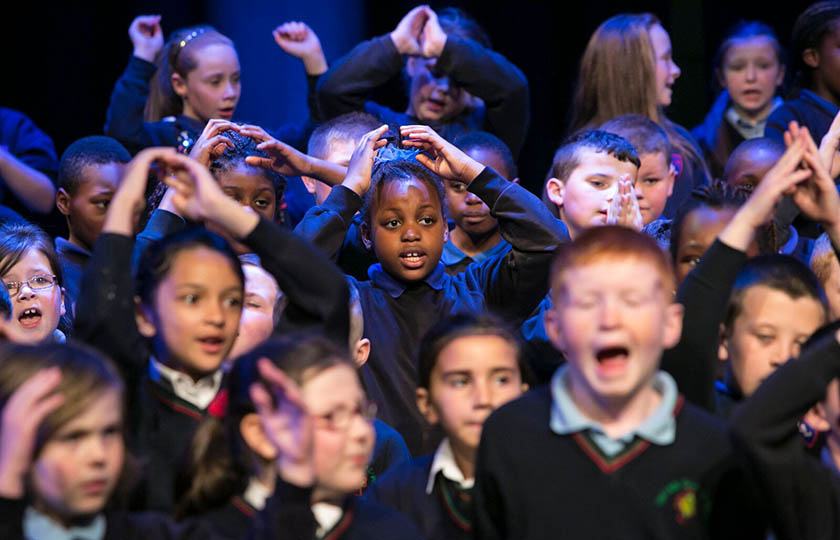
<point x="430" y="350"/>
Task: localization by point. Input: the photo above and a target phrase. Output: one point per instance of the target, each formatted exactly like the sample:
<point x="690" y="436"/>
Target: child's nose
<point x="675" y="70"/>
<point x="410" y="234"/>
<point x="751" y="72"/>
<point x="472" y="198"/>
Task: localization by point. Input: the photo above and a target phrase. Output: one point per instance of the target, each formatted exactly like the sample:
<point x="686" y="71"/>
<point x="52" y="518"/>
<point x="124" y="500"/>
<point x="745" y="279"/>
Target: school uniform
<point x="165" y="406"/>
<point x="125" y="121"/>
<point x="290" y="514"/>
<point x="546" y="471"/>
<point x="808" y="110"/>
<point x="336" y="228"/>
<point x="456" y="261"/>
<point x="19" y="521"/>
<point x="398" y="314"/>
<point x="432" y="492"/>
<point x="72" y="259"/>
<point x="485" y="74"/>
<point x="802" y="492"/>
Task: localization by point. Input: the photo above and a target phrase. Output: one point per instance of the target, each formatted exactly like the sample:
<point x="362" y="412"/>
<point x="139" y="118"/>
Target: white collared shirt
<point x="199" y="393"/>
<point x="327" y="515"/>
<point x="444" y="461"/>
<point x="256" y="494"/>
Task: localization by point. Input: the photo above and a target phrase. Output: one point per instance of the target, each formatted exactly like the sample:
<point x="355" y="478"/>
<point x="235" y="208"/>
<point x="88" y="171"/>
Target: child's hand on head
<point x="146" y="36"/>
<point x="24" y="411"/>
<point x="447" y="161"/>
<point x="360" y="167"/>
<point x="297" y="39"/>
<point x="282" y="158"/>
<point x="286" y="423"/>
<point x="212" y="142"/>
<point x="830" y="146"/>
<point x="406" y="36"/>
<point x="624" y="207"/>
<point x="433" y="38"/>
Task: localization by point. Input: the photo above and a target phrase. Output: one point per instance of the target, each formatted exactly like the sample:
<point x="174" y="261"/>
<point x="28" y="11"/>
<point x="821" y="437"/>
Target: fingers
<point x="255" y="132"/>
<point x="33" y="398"/>
<point x="284" y="385"/>
<point x="256" y="161"/>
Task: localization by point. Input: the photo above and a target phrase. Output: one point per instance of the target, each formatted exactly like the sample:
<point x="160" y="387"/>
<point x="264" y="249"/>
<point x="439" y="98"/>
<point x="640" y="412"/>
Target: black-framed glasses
<point x="339" y="418"/>
<point x="36" y="283"/>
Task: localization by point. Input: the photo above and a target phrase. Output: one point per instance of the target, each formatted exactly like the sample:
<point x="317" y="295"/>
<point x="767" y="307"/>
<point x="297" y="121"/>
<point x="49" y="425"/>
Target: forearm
<point x="346" y="86"/>
<point x="326" y="225"/>
<point x="329" y="173"/>
<point x="124" y="119"/>
<point x="30" y="186"/>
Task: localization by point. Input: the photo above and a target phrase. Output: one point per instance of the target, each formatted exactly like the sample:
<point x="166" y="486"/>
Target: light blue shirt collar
<point x="659" y="428"/>
<point x="37" y="526"/>
<point x="452" y="254"/>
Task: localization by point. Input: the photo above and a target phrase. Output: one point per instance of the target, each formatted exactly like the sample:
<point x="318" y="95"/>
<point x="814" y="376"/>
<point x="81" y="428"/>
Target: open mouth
<point x="435" y="104"/>
<point x="612" y="359"/>
<point x="227" y="112"/>
<point x="30" y="317"/>
<point x="211" y="344"/>
<point x="413" y="258"/>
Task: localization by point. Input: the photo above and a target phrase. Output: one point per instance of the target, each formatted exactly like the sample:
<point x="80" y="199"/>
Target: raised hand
<point x="297" y="39"/>
<point x="212" y="142"/>
<point x="817" y="196"/>
<point x="624" y="207"/>
<point x="130" y="198"/>
<point x="433" y="38"/>
<point x="447" y="160"/>
<point x="286" y="423"/>
<point x="830" y="146"/>
<point x="361" y="162"/>
<point x="23" y="413"/>
<point x="146" y="36"/>
<point x="282" y="158"/>
<point x="406" y="36"/>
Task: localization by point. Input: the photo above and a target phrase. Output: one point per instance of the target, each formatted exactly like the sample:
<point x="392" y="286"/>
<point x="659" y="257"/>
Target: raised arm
<point x="124" y="120"/>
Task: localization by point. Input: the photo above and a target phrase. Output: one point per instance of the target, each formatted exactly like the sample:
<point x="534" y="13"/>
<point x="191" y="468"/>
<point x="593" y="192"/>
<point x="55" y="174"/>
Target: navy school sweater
<point x="397" y="314"/>
<point x="532" y="483"/>
<point x="159" y="424"/>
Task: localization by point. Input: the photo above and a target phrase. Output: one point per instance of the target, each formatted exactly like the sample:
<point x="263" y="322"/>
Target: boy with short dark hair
<point x="609" y="449"/>
<point x="89" y="174"/>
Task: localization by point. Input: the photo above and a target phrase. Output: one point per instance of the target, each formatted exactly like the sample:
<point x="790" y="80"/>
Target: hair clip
<point x="191" y="36"/>
<point x="391" y="152"/>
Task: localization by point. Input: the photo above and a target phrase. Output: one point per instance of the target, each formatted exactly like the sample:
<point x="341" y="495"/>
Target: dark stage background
<point x="59" y="64"/>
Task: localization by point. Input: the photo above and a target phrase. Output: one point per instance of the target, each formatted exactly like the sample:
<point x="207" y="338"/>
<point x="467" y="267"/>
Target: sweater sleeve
<point x="11" y="518"/>
<point x="349" y="82"/>
<point x="161" y="223"/>
<point x="778" y="121"/>
<point x="514" y="284"/>
<point x="105" y="308"/>
<point x="490" y="76"/>
<point x="704" y="294"/>
<point x="326" y="225"/>
<point x="317" y="291"/>
<point x="803" y="495"/>
<point x="124" y="120"/>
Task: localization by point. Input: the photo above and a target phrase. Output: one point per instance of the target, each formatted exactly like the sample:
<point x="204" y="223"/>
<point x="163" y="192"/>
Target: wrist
<point x="355" y="184"/>
<point x="398" y="41"/>
<point x="436" y="48"/>
<point x="316" y="64"/>
<point x="11" y="481"/>
<point x="144" y="53"/>
<point x="297" y="474"/>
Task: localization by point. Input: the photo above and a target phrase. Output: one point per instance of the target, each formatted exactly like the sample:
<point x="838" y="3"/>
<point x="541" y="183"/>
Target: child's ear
<point x="427" y="408"/>
<point x="556" y="191"/>
<point x="62" y="201"/>
<point x="143" y="317"/>
<point x="551" y="321"/>
<point x="781" y="77"/>
<point x="179" y="85"/>
<point x="252" y="433"/>
<point x="361" y="352"/>
<point x="811" y="58"/>
<point x="723" y="346"/>
<point x="63" y="306"/>
<point x="366" y="239"/>
<point x="309" y="184"/>
<point x="413" y="66"/>
<point x="673" y="325"/>
<point x="672" y="176"/>
<point x="445" y="234"/>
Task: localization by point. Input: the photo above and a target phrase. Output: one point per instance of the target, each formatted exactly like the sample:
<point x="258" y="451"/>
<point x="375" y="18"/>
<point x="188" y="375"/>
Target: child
<point x="189" y="286"/>
<point x="404" y="224"/>
<point x="610" y="437"/>
<point x="816" y="104"/>
<point x="655" y="180"/>
<point x="261" y="308"/>
<point x="627" y="69"/>
<point x="585" y="175"/>
<point x="469" y="365"/>
<point x="449" y="64"/>
<point x="475" y="235"/>
<point x="825" y="266"/>
<point x="89" y="173"/>
<point x="169" y="92"/>
<point x="800" y="491"/>
<point x="32" y="275"/>
<point x="750" y="68"/>
<point x="236" y="461"/>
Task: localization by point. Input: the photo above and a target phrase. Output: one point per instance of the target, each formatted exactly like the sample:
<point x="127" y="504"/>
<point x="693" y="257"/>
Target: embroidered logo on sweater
<point x="684" y="497"/>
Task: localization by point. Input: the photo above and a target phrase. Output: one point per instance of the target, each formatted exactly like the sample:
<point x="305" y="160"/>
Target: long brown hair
<point x="179" y="55"/>
<point x="616" y="77"/>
